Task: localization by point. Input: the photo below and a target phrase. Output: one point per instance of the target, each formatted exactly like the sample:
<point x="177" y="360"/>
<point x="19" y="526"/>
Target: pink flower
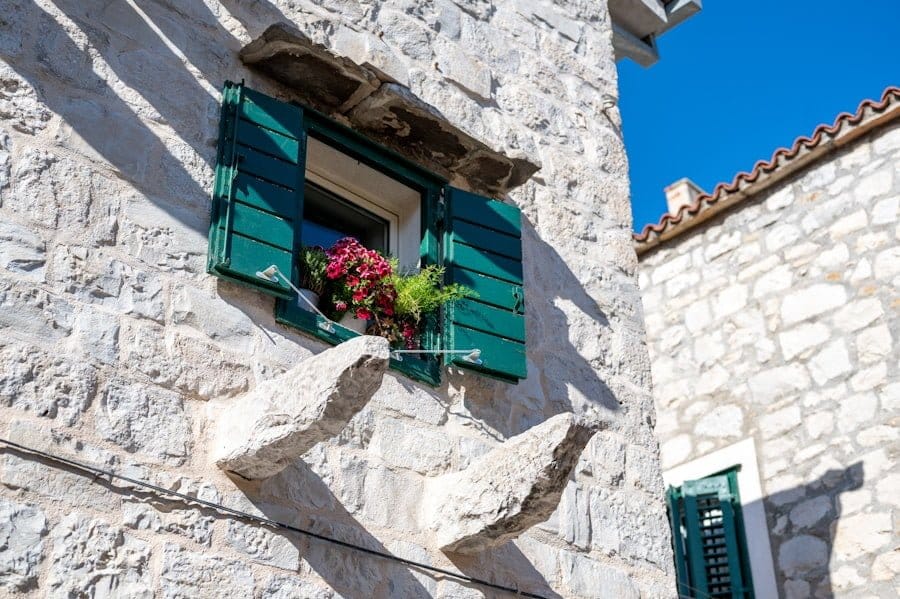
<point x="363" y="314"/>
<point x="340" y="306"/>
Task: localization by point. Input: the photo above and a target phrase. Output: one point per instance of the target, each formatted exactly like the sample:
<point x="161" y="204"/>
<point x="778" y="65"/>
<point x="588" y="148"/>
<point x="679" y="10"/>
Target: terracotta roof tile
<point x="649" y="236"/>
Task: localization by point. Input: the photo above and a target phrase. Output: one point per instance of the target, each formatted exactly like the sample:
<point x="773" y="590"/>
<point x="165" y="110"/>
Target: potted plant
<point x="361" y="292"/>
<point x="312" y="262"/>
<point x="420" y="295"/>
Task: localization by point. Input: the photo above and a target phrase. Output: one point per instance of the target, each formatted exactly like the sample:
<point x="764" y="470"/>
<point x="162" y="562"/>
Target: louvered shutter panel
<point x="676" y="521"/>
<point x="258" y="194"/>
<point x="706" y="528"/>
<point x="483" y="251"/>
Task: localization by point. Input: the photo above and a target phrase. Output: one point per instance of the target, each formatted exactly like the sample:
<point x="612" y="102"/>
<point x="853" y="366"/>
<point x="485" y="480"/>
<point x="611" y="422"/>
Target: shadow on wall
<point x="153" y="117"/>
<point x="147" y="51"/>
<point x="802" y="523"/>
<point x="549" y="282"/>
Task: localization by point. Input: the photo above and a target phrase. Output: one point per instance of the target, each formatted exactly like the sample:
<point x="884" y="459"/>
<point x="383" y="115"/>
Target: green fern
<point x="423" y="293"/>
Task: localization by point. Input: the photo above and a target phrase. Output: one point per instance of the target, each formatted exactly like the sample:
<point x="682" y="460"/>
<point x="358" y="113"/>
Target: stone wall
<point x="119" y="350"/>
<point x="778" y="321"/>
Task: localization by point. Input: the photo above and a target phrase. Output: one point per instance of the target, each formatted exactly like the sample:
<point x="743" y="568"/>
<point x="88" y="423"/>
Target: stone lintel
<point x="508" y="490"/>
<point x="385" y="111"/>
<point x="262" y="432"/>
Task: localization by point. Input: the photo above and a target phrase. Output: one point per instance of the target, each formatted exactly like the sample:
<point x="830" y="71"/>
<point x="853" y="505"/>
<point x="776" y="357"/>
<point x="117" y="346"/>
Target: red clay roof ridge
<point x="649" y="236"/>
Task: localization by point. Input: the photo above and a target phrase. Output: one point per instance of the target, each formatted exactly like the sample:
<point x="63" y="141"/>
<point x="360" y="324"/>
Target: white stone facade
<point x="777" y="321"/>
<point x="118" y="349"/>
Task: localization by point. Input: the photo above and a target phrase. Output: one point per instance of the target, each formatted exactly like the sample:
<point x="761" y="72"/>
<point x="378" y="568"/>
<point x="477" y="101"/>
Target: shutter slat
<point x="490" y="290"/>
<point x="483" y="251"/>
<point x="265" y="196"/>
<point x="492" y="214"/>
<point x="266" y="167"/>
<point x="486" y="263"/>
<point x="487" y="239"/>
<point x="503" y="323"/>
<point x="271" y="113"/>
<point x="262" y="226"/>
<point x="253" y="222"/>
<point x="270" y="142"/>
<point x="497" y="354"/>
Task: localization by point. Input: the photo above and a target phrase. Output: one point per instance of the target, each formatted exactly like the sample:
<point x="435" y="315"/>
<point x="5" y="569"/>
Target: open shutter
<point x="258" y="194"/>
<point x="676" y="521"/>
<point x="483" y="251"/>
<point x="706" y="530"/>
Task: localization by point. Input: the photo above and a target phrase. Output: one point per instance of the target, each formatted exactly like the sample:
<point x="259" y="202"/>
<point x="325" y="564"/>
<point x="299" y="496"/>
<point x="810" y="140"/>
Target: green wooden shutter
<point x="258" y="194"/>
<point x="710" y="549"/>
<point x="482" y="247"/>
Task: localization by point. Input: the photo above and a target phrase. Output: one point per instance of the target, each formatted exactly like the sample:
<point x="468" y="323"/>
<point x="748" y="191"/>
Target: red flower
<point x="363" y="314"/>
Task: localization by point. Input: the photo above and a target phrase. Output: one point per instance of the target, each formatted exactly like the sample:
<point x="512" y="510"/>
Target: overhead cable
<point x="96" y="472"/>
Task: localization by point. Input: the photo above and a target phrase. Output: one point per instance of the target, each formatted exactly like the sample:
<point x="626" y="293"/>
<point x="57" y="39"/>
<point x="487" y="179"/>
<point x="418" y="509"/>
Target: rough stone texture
<point x="22" y="528"/>
<point x="141" y="418"/>
<point x="507" y="490"/>
<point x="92" y="558"/>
<point x="117" y="348"/>
<point x="807" y="365"/>
<point x="187" y="574"/>
<point x="264" y="431"/>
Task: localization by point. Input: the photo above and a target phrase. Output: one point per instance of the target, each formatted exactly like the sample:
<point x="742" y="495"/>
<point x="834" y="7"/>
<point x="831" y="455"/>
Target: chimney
<point x="681" y="193"/>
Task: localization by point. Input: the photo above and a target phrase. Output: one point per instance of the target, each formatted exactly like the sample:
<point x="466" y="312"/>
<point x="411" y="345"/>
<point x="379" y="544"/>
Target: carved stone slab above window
<point x="387" y="112"/>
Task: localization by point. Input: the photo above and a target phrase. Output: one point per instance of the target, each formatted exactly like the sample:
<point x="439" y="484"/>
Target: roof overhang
<point x="870" y="115"/>
<point x="637" y="23"/>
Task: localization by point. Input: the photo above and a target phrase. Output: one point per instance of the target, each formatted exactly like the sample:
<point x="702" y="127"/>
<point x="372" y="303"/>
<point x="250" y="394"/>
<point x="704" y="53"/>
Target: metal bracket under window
<point x="272" y="273"/>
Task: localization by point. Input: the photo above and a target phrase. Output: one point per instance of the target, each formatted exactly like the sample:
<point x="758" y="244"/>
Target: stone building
<point x="771" y="312"/>
<point x="171" y="429"/>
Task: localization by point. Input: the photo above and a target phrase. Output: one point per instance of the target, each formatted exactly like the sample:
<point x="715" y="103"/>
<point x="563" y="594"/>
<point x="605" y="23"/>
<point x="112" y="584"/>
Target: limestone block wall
<point x="118" y="349"/>
<point x="778" y="321"/>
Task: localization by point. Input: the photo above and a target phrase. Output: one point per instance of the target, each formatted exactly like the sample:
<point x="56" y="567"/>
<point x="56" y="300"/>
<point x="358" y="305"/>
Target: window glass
<point x="327" y="217"/>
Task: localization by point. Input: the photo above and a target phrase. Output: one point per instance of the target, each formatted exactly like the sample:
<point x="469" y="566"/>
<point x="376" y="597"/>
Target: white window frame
<point x="399" y="205"/>
<point x="741" y="455"/>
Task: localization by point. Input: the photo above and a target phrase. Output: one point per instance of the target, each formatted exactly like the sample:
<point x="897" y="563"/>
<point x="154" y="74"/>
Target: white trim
<point x="742" y="454"/>
<point x="368" y="188"/>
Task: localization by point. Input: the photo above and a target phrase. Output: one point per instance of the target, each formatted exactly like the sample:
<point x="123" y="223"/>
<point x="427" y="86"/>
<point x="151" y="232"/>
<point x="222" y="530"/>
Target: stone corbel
<point x="270" y="427"/>
<point x="506" y="491"/>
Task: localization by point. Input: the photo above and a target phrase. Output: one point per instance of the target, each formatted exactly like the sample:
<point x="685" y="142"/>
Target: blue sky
<point x="741" y="79"/>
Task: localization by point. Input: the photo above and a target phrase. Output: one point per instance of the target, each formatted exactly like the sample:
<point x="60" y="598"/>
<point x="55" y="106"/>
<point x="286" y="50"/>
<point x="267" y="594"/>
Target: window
<point x="711" y="557"/>
<point x="287" y="176"/>
<point x="739" y="459"/>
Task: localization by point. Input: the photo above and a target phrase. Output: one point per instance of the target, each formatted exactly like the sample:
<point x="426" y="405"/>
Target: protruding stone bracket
<point x="386" y="111"/>
<point x="265" y="430"/>
<point x="508" y="490"/>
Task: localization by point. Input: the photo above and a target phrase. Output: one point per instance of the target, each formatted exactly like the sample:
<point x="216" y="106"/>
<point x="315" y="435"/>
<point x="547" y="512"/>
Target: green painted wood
<point x="492" y="214"/>
<point x="716" y="548"/>
<point x="248" y="256"/>
<point x="265" y="196"/>
<point x="490" y="290"/>
<point x="263" y="226"/>
<point x="266" y="167"/>
<point x="483" y="246"/>
<point x="487" y="239"/>
<point x="485" y="262"/>
<point x="252" y="221"/>
<point x="733" y="549"/>
<point x="501" y="357"/>
<point x="268" y="141"/>
<point x="676" y="514"/>
<point x="496" y="321"/>
<point x="696" y="562"/>
<point x="273" y="114"/>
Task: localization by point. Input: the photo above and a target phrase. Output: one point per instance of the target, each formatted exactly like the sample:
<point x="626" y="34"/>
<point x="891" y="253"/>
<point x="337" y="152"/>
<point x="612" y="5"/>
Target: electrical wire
<point x="97" y="472"/>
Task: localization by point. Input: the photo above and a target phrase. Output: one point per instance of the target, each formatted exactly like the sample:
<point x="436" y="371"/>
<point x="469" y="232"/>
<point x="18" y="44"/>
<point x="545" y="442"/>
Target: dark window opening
<point x="328" y="217"/>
